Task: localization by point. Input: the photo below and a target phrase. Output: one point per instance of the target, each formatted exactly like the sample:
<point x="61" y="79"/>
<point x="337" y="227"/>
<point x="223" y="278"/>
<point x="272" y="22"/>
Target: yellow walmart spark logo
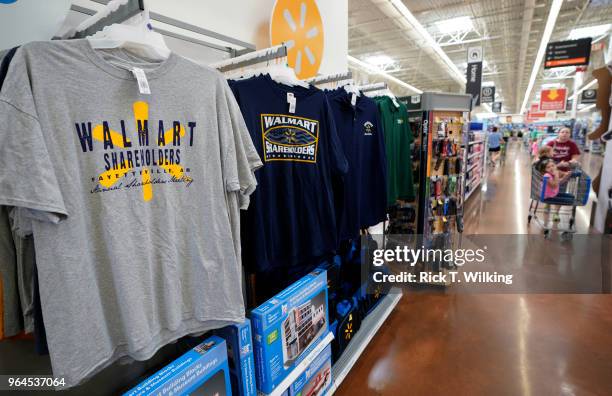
<point x="299" y="25"/>
<point x="122" y="156"/>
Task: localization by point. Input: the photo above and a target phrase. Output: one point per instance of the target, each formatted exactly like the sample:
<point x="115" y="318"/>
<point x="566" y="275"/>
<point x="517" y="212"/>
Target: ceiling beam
<point x="527" y="21"/>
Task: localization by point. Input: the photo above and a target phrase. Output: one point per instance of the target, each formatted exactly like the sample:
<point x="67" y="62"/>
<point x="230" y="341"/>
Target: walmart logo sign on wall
<point x="315" y="33"/>
<point x="42" y="20"/>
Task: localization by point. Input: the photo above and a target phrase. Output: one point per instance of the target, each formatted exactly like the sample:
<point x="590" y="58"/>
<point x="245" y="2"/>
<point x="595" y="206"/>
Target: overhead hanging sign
<point x="474" y="74"/>
<point x="497" y="107"/>
<point x="534" y="113"/>
<point x="487" y="94"/>
<point x="568" y="53"/>
<point x="588" y="96"/>
<point x="553" y="99"/>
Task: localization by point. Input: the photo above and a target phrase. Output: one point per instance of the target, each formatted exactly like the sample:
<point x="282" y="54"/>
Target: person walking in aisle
<point x="565" y="151"/>
<point x="495" y="138"/>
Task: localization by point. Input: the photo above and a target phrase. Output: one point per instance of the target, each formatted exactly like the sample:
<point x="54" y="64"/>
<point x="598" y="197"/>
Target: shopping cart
<point x="576" y="190"/>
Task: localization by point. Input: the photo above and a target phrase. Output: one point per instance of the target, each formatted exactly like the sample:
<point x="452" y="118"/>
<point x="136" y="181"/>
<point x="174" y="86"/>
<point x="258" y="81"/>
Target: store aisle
<point x="503" y="206"/>
<point x="437" y="344"/>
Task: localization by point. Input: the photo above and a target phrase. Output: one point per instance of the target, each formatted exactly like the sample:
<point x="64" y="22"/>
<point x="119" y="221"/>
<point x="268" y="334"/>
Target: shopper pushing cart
<point x="560" y="192"/>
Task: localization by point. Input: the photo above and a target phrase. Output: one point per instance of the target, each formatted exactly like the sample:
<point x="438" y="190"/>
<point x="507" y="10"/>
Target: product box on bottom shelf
<point x="287" y="327"/>
<point x="201" y="371"/>
<point x="240" y="355"/>
<point x="317" y="378"/>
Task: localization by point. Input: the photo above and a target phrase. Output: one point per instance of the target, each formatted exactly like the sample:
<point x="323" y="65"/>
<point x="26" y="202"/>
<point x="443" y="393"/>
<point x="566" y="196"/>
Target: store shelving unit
<point x="443" y="161"/>
<point x="369" y="327"/>
<point x="300" y="368"/>
<point x="476" y="145"/>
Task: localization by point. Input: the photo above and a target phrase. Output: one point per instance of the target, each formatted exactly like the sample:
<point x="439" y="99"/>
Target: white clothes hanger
<point x="134" y="35"/>
<point x="283" y="74"/>
<point x="351" y="88"/>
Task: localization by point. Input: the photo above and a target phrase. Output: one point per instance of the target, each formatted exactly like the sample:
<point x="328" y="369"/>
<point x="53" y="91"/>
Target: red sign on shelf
<point x="553" y="99"/>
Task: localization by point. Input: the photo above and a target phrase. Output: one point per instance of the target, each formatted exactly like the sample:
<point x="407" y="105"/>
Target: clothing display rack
<point x="332" y="78"/>
<point x="355" y="340"/>
<point x="121" y="14"/>
<point x="252" y="58"/>
<point x="373" y="87"/>
<point x="133" y="7"/>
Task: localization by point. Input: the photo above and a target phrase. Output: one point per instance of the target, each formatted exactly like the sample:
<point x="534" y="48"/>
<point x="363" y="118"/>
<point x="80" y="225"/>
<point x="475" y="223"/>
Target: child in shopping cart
<point x="553" y="178"/>
<point x="535" y="147"/>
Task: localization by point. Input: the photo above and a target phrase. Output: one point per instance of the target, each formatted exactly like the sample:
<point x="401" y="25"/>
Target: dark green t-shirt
<point x="398" y="138"/>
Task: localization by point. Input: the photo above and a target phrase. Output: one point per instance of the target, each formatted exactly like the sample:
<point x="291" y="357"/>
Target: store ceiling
<point x="376" y="28"/>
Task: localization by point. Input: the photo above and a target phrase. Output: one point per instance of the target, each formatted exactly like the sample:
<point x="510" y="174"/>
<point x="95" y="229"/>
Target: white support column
<point x="578" y="80"/>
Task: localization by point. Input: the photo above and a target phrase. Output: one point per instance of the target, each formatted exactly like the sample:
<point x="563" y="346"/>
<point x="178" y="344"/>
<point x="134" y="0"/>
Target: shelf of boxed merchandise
<point x="369" y="327"/>
<point x="300" y="368"/>
<point x="472" y="187"/>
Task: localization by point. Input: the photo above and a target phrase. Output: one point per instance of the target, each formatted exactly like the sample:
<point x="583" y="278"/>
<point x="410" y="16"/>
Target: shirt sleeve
<point x="239" y="158"/>
<point x="574" y="150"/>
<point x="27" y="179"/>
<point x="339" y="163"/>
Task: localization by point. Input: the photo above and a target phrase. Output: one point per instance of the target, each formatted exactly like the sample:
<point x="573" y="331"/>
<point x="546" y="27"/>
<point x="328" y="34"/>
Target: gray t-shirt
<point x="132" y="199"/>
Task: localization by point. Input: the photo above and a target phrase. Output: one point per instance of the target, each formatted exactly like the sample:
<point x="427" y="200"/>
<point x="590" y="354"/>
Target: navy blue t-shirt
<point x="291" y="220"/>
<point x="361" y="136"/>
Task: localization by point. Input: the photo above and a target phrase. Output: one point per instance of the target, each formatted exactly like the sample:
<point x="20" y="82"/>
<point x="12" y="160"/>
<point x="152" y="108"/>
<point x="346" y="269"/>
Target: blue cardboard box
<point x="201" y="371"/>
<point x="317" y="378"/>
<point x="240" y="355"/>
<point x="287" y="327"/>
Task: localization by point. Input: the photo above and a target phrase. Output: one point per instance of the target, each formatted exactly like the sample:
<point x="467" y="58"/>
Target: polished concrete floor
<point x="493" y="344"/>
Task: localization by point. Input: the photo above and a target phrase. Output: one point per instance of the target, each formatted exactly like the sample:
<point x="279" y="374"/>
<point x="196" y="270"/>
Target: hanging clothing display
<point x="13" y="318"/>
<point x="361" y="137"/>
<point x="398" y="139"/>
<point x="117" y="188"/>
<point x="291" y="220"/>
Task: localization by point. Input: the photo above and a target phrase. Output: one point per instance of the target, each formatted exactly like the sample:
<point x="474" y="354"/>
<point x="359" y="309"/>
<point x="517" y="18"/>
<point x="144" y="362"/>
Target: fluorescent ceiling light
<point x="459" y="24"/>
<point x="488" y="83"/>
<point x="550" y="25"/>
<point x="590" y="31"/>
<point x="376" y="70"/>
<point x="551" y="85"/>
<point x="416" y="25"/>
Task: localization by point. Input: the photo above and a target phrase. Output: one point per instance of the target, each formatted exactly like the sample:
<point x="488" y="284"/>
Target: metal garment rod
<point x="252" y="58"/>
<point x="373" y="87"/>
<point x="178" y="36"/>
<point x="123" y="13"/>
<point x="192" y="28"/>
<point x="330" y="78"/>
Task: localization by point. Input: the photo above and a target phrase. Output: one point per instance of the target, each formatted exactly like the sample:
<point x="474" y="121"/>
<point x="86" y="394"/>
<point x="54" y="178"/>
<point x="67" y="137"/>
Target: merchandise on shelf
<point x="444" y="161"/>
<point x="316" y="379"/>
<point x="287" y="327"/>
<point x="203" y="370"/>
<point x="476" y="154"/>
<point x="240" y="357"/>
